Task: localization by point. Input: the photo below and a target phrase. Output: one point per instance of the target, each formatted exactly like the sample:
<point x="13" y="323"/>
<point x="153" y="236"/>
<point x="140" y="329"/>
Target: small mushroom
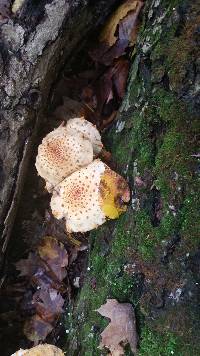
<point x="88" y="196"/>
<point x="61" y="154"/>
<point x="40" y="350"/>
<point x="87" y="130"/>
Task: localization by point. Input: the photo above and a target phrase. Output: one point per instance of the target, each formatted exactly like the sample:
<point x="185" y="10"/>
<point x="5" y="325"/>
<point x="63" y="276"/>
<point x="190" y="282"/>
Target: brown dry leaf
<point x="48" y="304"/>
<point x="122" y="328"/>
<point x="108" y="34"/>
<point x="89" y="97"/>
<point x="119" y="33"/>
<point x="105" y="54"/>
<point x="53" y="253"/>
<point x="36" y="329"/>
<point x="128" y="27"/>
<point x="112" y="84"/>
<point x="40" y="350"/>
<point x="29" y="266"/>
<point x="104" y="89"/>
<point x="120" y="75"/>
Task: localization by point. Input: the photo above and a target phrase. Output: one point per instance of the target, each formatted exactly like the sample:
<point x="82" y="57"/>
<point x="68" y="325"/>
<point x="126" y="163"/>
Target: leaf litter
<point x="45" y="269"/>
<point x="100" y="90"/>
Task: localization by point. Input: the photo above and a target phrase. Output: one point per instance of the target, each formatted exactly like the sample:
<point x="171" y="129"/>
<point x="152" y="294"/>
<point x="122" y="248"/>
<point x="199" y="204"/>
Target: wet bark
<point x="35" y="43"/>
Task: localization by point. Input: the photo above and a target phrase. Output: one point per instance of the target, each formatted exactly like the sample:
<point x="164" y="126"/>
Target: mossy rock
<point x="150" y="255"/>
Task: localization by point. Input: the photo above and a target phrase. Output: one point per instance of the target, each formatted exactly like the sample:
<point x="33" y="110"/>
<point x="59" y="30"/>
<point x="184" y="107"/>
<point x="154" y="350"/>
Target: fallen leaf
<point x="110" y="88"/>
<point x="53" y="253"/>
<point x="120" y="74"/>
<point x="40" y="350"/>
<point x="29" y="266"/>
<point x="89" y="97"/>
<point x="43" y="279"/>
<point x="48" y="304"/>
<point x="103" y="89"/>
<point x="36" y="329"/>
<point x="128" y="27"/>
<point x="119" y="33"/>
<point x="122" y="327"/>
<point x="108" y="34"/>
<point x="105" y="54"/>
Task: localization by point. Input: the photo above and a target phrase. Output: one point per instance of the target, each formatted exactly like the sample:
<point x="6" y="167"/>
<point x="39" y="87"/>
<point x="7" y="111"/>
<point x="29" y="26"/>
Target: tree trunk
<point x="150" y="256"/>
<point x="34" y="44"/>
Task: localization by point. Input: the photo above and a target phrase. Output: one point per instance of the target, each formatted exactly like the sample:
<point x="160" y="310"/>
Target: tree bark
<point x="34" y="44"/>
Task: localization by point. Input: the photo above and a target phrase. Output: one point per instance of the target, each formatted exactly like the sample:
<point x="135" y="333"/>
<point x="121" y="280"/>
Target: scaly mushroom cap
<point x="61" y="154"/>
<point x="87" y="130"/>
<point x="89" y="196"/>
<point x="40" y="350"/>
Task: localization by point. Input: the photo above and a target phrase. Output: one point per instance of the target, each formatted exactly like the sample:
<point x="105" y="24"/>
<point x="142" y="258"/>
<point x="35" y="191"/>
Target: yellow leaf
<point x="108" y="33"/>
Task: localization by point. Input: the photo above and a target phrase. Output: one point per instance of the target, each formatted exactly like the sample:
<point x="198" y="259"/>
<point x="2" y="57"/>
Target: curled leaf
<point x="108" y="34"/>
<point x="36" y="329"/>
<point x="119" y="32"/>
<point x="48" y="304"/>
<point x="55" y="256"/>
<point x="29" y="266"/>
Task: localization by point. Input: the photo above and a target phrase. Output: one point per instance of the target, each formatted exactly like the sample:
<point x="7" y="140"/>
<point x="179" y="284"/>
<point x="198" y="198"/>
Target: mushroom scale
<point x="85" y="128"/>
<point x="87" y="197"/>
<point x="61" y="154"/>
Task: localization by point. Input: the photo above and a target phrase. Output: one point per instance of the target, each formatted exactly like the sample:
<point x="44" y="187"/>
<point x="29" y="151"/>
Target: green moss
<point x="166" y="344"/>
<point x="155" y="344"/>
<point x="158" y="138"/>
<point x="145" y="235"/>
<point x="171" y="163"/>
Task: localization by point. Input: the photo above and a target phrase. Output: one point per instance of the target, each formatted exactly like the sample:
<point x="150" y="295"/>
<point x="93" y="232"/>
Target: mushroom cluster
<point x="85" y="191"/>
<point x="67" y="149"/>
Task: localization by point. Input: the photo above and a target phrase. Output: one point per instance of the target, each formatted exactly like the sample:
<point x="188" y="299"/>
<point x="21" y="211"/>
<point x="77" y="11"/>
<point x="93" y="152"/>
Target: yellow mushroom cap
<point x="61" y="154"/>
<point x="87" y="130"/>
<point x="87" y="197"/>
<point x="40" y="350"/>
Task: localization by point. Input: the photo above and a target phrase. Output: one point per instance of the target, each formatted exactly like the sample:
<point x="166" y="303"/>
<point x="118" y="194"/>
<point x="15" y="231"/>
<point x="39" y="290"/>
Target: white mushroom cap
<point x="87" y="130"/>
<point x="77" y="199"/>
<point x="88" y="196"/>
<point x="61" y="154"/>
